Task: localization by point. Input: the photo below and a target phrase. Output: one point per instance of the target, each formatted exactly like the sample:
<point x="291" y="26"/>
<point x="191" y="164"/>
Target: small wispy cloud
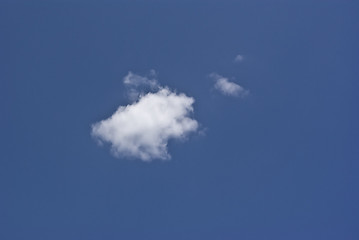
<point x="137" y="84"/>
<point x="239" y="58"/>
<point x="228" y="88"/>
<point x="142" y="129"/>
<point x="135" y="80"/>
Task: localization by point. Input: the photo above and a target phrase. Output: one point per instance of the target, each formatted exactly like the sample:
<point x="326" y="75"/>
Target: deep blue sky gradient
<point x="279" y="164"/>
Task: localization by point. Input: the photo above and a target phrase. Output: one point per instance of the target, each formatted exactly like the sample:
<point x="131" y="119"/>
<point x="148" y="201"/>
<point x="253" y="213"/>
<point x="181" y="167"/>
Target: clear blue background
<point x="279" y="164"/>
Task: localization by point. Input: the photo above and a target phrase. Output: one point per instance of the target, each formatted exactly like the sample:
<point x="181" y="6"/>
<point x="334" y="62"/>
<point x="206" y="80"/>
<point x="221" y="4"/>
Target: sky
<point x="179" y="120"/>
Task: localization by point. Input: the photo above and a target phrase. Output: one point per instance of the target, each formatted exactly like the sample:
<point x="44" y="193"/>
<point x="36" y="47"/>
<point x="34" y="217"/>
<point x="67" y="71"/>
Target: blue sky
<point x="278" y="162"/>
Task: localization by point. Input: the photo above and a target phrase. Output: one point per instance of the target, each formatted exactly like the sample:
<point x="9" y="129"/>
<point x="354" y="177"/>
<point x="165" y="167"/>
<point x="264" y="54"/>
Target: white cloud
<point x="137" y="85"/>
<point x="239" y="58"/>
<point x="143" y="129"/>
<point x="135" y="80"/>
<point x="228" y="88"/>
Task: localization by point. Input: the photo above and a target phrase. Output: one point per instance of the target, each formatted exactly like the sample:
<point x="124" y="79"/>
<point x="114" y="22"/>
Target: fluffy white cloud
<point x="239" y="58"/>
<point x="228" y="88"/>
<point x="142" y="130"/>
